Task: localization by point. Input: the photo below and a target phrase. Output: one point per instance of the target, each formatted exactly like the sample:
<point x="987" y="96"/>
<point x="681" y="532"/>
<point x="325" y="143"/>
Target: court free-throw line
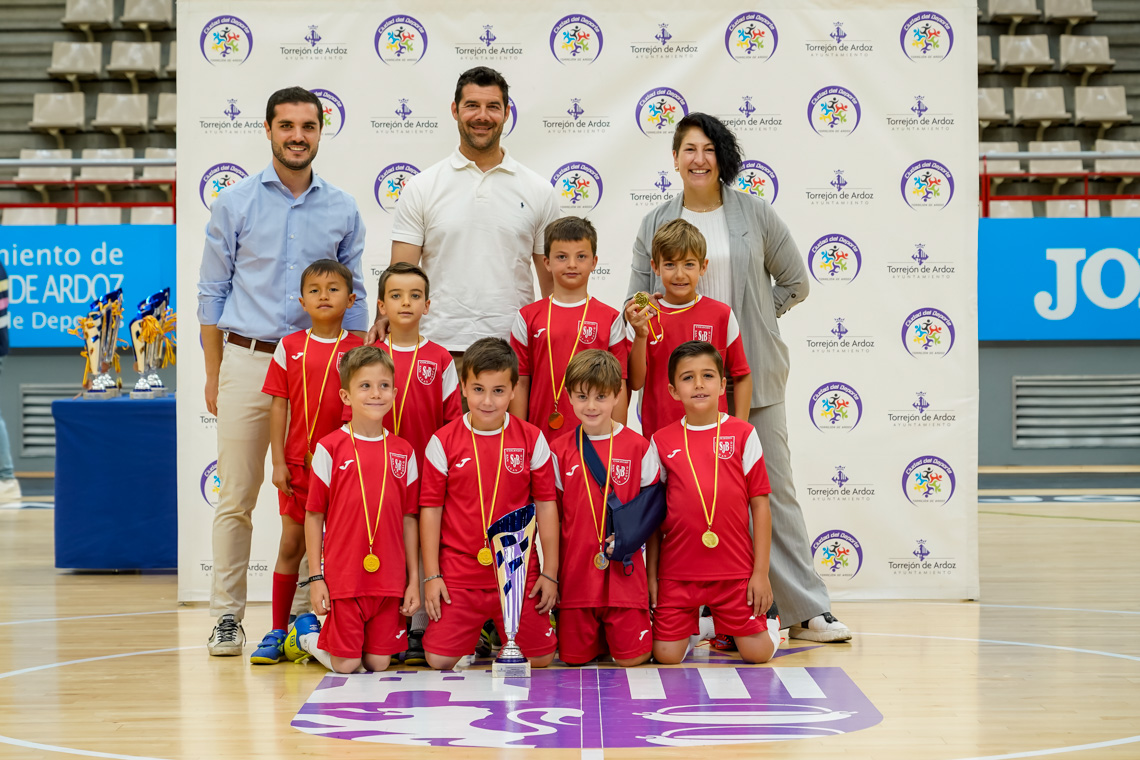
<point x="799" y="683"/>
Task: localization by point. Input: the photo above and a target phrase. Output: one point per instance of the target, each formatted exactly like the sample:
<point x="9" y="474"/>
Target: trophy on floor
<point x="139" y="333"/>
<point x="512" y="537"/>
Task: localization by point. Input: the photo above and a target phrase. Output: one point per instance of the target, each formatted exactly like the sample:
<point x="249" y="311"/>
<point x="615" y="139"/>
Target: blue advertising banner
<point x="1058" y="279"/>
<point x="56" y="272"/>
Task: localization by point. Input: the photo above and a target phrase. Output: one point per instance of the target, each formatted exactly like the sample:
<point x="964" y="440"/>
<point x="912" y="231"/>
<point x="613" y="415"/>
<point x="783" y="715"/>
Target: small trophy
<point x="158" y="307"/>
<point x="512" y="537"/>
<point x="141" y="348"/>
<point x="112" y="307"/>
<point x="91" y="327"/>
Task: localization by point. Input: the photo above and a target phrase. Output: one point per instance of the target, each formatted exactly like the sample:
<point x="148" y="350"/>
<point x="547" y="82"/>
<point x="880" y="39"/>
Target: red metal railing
<point x="986" y="180"/>
<point x="79" y="184"/>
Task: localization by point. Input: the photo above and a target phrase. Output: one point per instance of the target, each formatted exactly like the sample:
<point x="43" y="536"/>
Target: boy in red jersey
<point x="305" y="385"/>
<point x="548" y="333"/>
<point x="714" y="474"/>
<point x="597" y="594"/>
<point x="371" y="572"/>
<point x="477" y="469"/>
<point x="679" y="260"/>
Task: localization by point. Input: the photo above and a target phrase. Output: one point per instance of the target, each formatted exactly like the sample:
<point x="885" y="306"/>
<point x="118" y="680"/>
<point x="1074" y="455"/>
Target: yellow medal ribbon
<point x="320" y="396"/>
<point x="555" y="420"/>
<point x="408" y="380"/>
<point x="601" y="561"/>
<point x="371" y="561"/>
<point x="485" y="556"/>
<point x="661" y="313"/>
<point x="709" y="538"/>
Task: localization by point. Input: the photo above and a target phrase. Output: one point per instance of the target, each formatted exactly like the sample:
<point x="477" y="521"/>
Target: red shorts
<point x="294" y="506"/>
<point x="583" y="633"/>
<point x="364" y="625"/>
<point x="678" y="610"/>
<point x="457" y="631"/>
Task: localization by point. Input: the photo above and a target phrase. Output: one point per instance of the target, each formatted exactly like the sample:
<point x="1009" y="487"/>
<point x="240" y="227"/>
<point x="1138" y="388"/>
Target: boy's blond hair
<point x="594" y="370"/>
<point x="675" y="240"/>
<point x="361" y="357"/>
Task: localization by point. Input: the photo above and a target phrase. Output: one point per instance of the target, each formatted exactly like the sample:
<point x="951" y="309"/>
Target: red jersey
<point x="634" y="466"/>
<point x="706" y="319"/>
<point x="742" y="476"/>
<point x="431" y="397"/>
<point x="334" y="489"/>
<point x="602" y="327"/>
<point x="450" y="481"/>
<point x="283" y="379"/>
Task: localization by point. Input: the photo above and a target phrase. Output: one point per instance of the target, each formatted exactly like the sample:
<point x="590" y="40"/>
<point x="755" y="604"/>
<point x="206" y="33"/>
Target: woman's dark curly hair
<point x="728" y="155"/>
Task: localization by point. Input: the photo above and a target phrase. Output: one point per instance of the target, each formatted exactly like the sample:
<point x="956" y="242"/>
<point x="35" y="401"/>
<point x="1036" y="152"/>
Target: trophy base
<point x="142" y="394"/>
<point x="95" y="394"/>
<point x="510" y="669"/>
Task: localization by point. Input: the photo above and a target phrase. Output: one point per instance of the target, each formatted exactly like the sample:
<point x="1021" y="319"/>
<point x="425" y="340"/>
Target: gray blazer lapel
<point x="738" y="248"/>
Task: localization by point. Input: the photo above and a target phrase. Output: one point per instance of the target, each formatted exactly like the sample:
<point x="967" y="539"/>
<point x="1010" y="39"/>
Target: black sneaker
<point x="415" y="654"/>
<point x="227" y="638"/>
<point x="488" y="640"/>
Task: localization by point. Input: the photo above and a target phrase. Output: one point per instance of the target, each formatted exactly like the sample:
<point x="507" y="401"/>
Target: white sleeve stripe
<point x="656" y="459"/>
<point x="322" y="463"/>
<point x="279" y="354"/>
<point x="450" y="380"/>
<point x="752" y="451"/>
<point x="650" y="466"/>
<point x="557" y="474"/>
<point x="733" y="328"/>
<point x="630" y="333"/>
<point x="617" y="332"/>
<point x="413" y="469"/>
<point x="541" y="453"/>
<point x="435" y="455"/>
<point x="519" y="329"/>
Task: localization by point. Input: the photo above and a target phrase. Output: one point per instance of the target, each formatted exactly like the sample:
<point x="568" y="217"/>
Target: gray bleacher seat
<point x="1014" y="11"/>
<point x="28" y="217"/>
<point x="56" y="113"/>
<point x="1003" y="166"/>
<point x="1043" y="106"/>
<point x="45" y="174"/>
<point x="991" y="106"/>
<point x="76" y="60"/>
<point x="1057" y="165"/>
<point x="172" y="59"/>
<point x="1100" y="105"/>
<point x="147" y="15"/>
<point x="1000" y="209"/>
<point x="167" y="117"/>
<point x="135" y="60"/>
<point x="111" y="173"/>
<point x="1085" y="54"/>
<point x="121" y="114"/>
<point x="986" y="60"/>
<point x="100" y="215"/>
<point x="1115" y="165"/>
<point x="159" y="172"/>
<point x="1071" y="209"/>
<point x="1072" y="12"/>
<point x="86" y="15"/>
<point x="152" y="215"/>
<point x="1025" y="53"/>
<point x="1124" y="207"/>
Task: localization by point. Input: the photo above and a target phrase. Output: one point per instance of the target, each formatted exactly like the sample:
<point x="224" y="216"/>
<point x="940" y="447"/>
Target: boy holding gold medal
<point x="704" y="553"/>
<point x="305" y="384"/>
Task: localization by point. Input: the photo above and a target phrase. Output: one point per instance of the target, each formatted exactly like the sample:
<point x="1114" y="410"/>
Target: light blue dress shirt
<point x="258" y="242"/>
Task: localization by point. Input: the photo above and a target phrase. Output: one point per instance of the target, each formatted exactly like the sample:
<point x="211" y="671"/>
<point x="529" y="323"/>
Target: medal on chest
<point x="484" y="555"/>
<point x="371" y="561"/>
<point x="709" y="538"/>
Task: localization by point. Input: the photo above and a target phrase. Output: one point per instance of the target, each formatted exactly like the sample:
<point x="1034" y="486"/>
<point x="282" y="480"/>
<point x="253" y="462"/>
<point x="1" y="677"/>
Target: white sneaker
<point x="10" y="491"/>
<point x="228" y="637"/>
<point x="823" y="628"/>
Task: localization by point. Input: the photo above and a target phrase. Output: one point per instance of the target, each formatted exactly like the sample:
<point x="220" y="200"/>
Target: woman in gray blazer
<point x="755" y="267"/>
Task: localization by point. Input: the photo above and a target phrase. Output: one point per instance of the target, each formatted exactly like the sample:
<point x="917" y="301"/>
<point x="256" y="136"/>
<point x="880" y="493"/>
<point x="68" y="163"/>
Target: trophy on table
<point x="151" y="332"/>
<point x="100" y="333"/>
<point x="139" y="331"/>
<point x="512" y="537"/>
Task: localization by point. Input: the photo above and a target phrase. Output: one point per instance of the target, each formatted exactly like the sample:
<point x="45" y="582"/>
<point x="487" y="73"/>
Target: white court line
<point x="723" y="683"/>
<point x="1008" y="643"/>
<point x="799" y="683"/>
<point x="644" y="683"/>
<point x="1028" y="607"/>
<point x="87" y="617"/>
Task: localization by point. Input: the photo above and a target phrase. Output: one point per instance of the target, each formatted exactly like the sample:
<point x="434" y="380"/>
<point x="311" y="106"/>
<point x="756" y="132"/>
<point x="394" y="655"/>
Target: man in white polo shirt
<point x="474" y="221"/>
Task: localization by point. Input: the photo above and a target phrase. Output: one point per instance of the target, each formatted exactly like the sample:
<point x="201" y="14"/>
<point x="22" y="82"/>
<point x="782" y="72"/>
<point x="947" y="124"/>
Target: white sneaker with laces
<point x="228" y="637"/>
<point x="823" y="628"/>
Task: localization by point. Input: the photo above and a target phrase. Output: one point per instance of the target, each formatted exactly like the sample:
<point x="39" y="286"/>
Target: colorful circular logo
<point x="759" y="179"/>
<point x="401" y="39"/>
<point x="836" y="554"/>
<point x="928" y="332"/>
<point x="390" y="183"/>
<point x="576" y="39"/>
<point x="834" y="110"/>
<point x="928" y="480"/>
<point x="926" y="36"/>
<point x="332" y="112"/>
<point x="659" y="110"/>
<point x="834" y="258"/>
<point x="216" y="179"/>
<point x="835" y="406"/>
<point x="226" y="39"/>
<point x="751" y="37"/>
<point x="927" y="184"/>
<point x="579" y="187"/>
<point x="211" y="484"/>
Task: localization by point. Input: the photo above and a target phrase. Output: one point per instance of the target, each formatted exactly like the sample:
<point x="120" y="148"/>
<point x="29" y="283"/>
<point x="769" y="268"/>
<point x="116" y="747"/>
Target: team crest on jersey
<point x="399" y="464"/>
<point x="726" y="446"/>
<point x="589" y="332"/>
<point x="426" y="371"/>
<point x="703" y="332"/>
<point x="620" y="470"/>
<point x="513" y="460"/>
<point x="339" y="356"/>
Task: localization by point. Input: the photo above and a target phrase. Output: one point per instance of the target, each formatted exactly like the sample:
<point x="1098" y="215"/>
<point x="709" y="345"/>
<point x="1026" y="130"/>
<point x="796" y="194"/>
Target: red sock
<point x="284" y="588"/>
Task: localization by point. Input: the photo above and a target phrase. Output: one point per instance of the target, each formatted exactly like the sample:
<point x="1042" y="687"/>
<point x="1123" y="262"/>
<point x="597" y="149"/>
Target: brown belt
<point x="264" y="346"/>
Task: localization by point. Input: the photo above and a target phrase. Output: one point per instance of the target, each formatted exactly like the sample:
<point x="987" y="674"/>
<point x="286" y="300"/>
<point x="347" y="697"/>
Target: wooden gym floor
<point x="109" y="666"/>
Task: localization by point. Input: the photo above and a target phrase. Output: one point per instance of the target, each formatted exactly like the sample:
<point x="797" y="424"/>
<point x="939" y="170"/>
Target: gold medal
<point x="371" y="563"/>
<point x="485" y="556"/>
<point x="555" y="420"/>
<point x="601" y="561"/>
<point x="308" y="459"/>
<point x="641" y="299"/>
<point x="709" y="539"/>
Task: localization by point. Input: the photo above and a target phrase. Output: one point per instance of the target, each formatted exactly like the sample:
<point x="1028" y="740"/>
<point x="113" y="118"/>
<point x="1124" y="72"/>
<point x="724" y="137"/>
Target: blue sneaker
<point x="271" y="650"/>
<point x="306" y="624"/>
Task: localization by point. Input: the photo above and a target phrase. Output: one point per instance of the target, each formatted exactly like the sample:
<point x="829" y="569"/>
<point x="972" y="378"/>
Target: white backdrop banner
<point x="858" y="125"/>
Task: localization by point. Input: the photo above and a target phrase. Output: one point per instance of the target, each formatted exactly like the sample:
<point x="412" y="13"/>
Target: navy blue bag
<point x="632" y="523"/>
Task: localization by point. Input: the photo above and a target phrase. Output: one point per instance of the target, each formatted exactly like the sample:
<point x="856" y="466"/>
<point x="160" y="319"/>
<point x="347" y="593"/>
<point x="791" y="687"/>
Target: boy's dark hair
<point x="676" y="239"/>
<point x="293" y="95"/>
<point x="728" y="156"/>
<point x="361" y="357"/>
<point x="594" y="370"/>
<point x="327" y="266"/>
<point x="481" y="76"/>
<point x="690" y="349"/>
<point x="490" y="355"/>
<point x="403" y="267"/>
<point x="570" y="228"/>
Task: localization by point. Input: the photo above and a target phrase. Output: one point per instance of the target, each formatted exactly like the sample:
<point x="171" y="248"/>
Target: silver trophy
<point x="511" y="538"/>
<point x="140" y="345"/>
<point x="91" y="327"/>
<point x="158" y="303"/>
<point x="112" y="307"/>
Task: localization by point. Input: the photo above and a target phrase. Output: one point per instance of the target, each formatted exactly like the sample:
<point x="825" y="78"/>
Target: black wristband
<point x="310" y="579"/>
<point x="433" y="577"/>
<point x="547" y="577"/>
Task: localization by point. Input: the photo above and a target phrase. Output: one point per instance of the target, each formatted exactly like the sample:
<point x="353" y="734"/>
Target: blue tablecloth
<point x="116" y="502"/>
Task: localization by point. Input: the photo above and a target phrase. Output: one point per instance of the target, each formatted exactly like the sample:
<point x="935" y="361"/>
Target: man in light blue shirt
<point x="263" y="232"/>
